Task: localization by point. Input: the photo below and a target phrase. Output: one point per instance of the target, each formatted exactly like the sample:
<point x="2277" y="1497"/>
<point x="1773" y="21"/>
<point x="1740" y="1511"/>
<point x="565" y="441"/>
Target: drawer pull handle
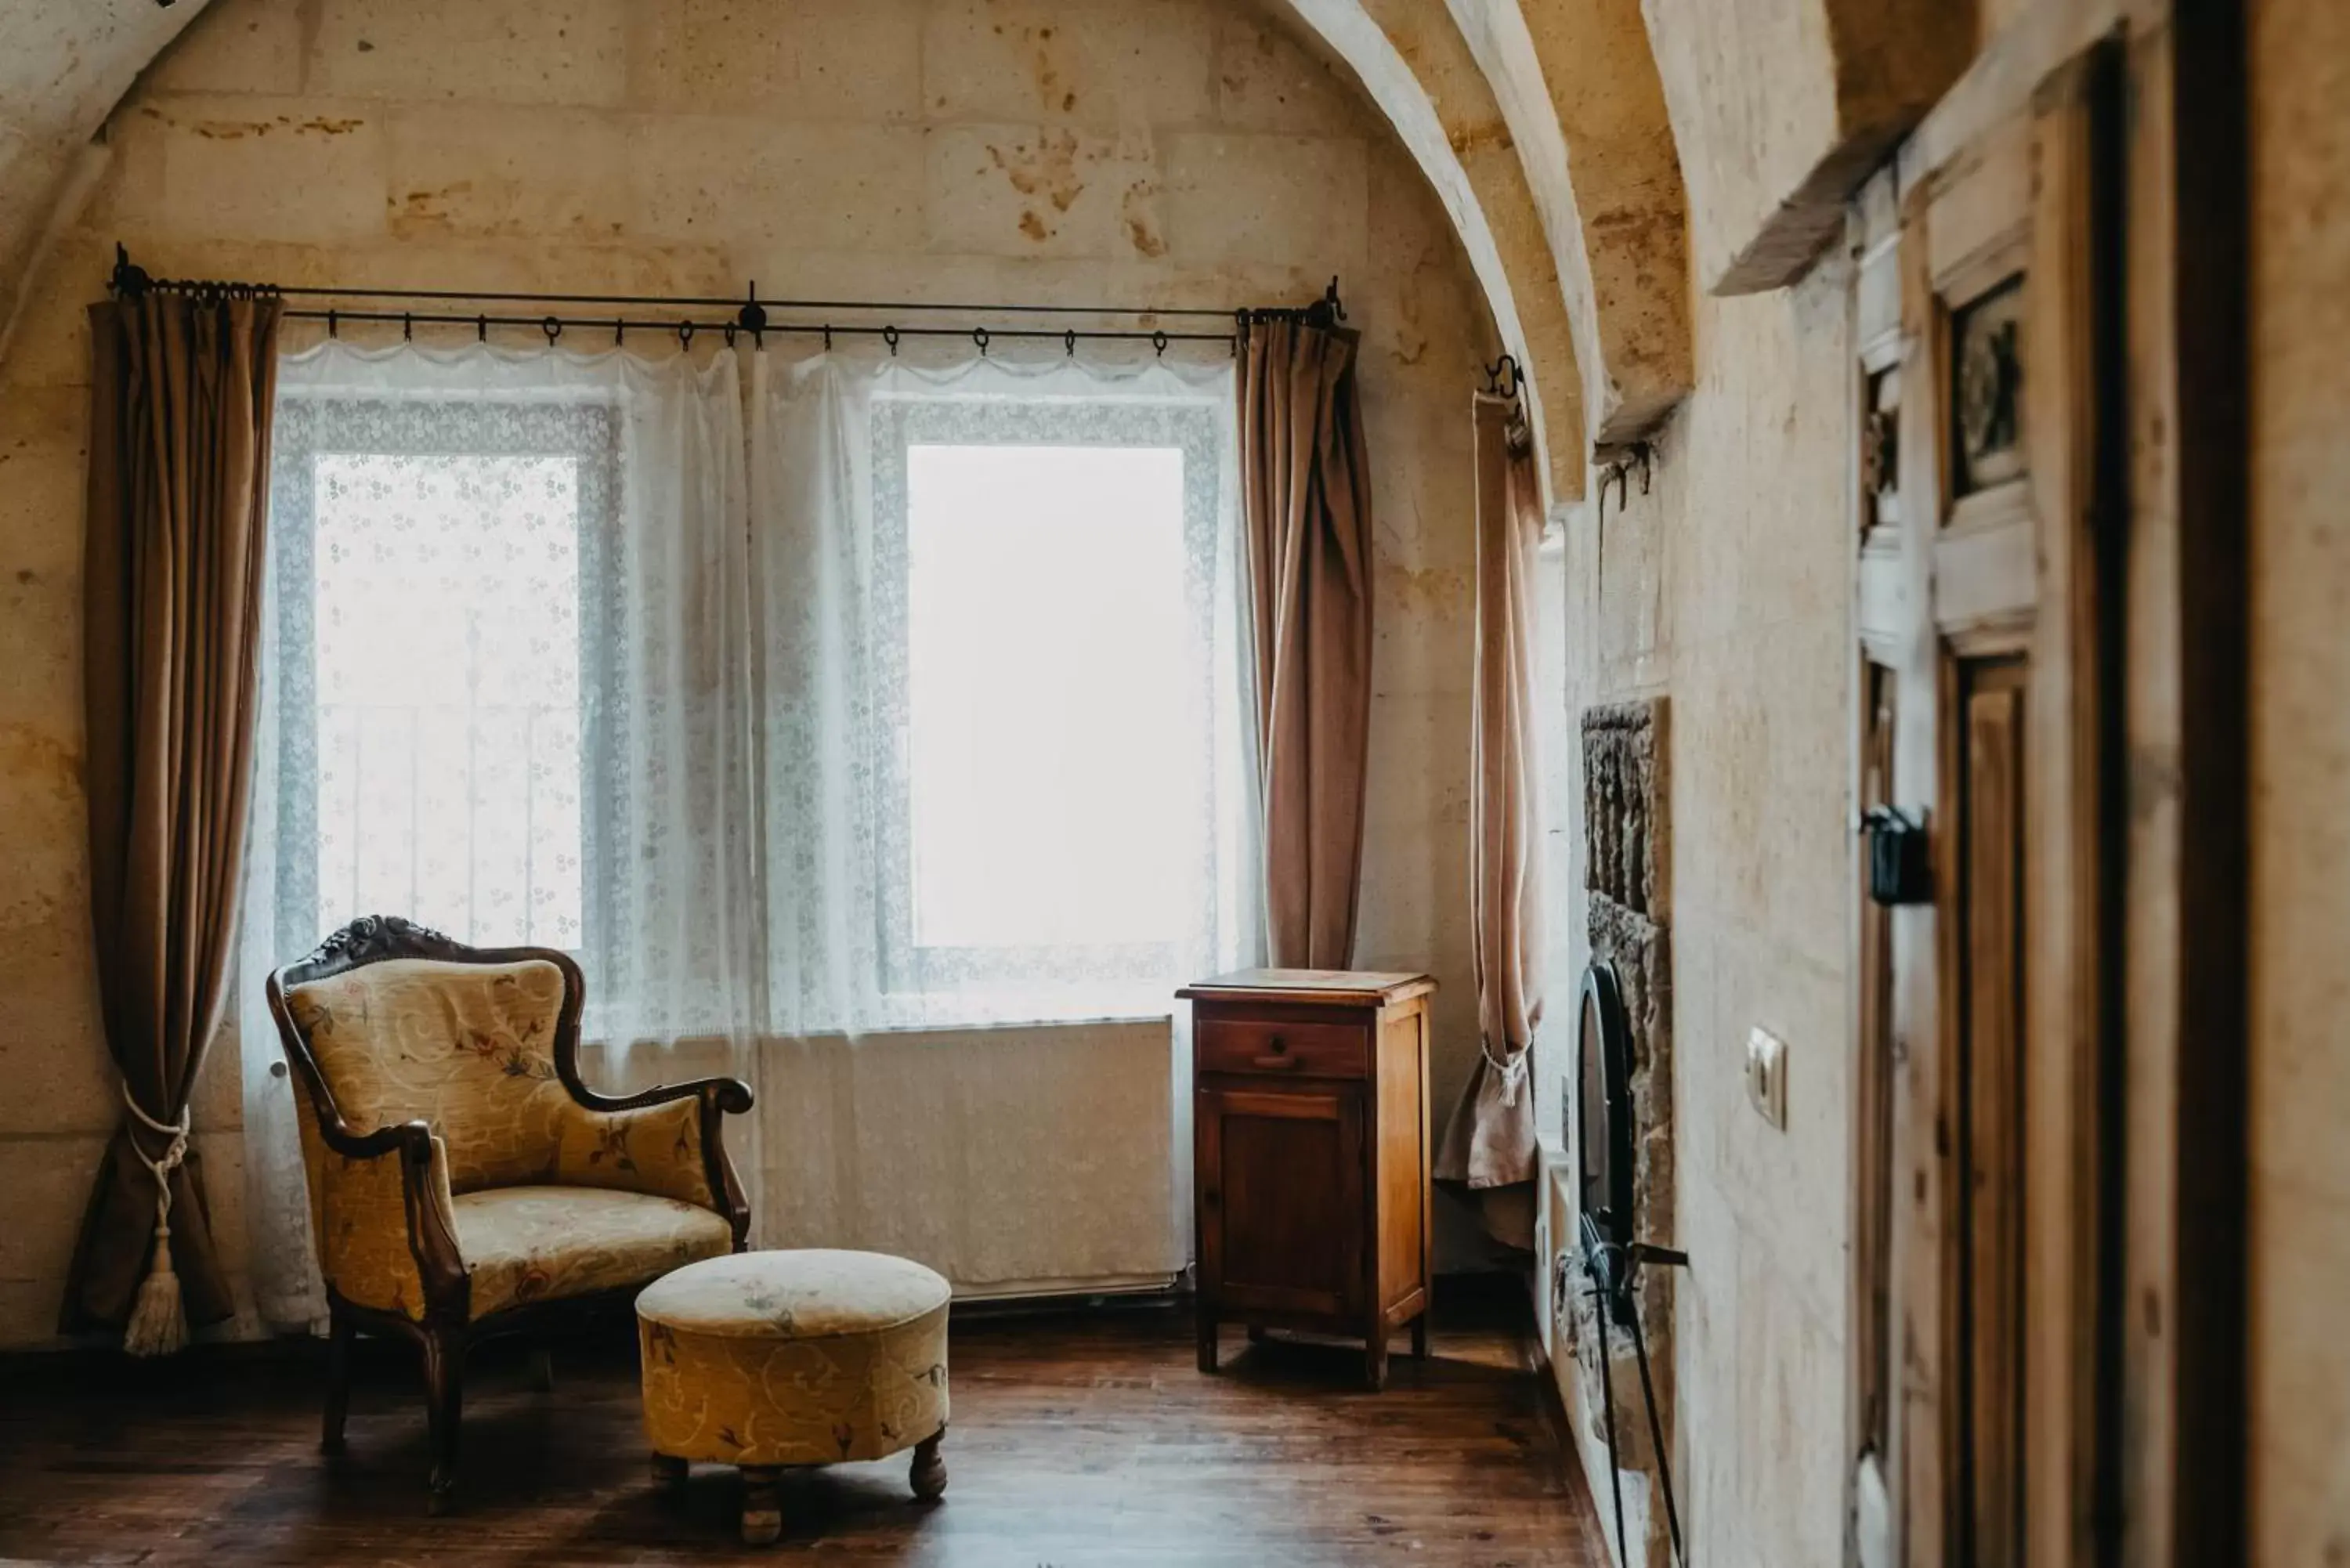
<point x="1275" y="1061"/>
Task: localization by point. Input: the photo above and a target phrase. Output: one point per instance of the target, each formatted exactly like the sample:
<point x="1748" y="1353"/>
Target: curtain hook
<point x="407" y="326"/>
<point x="333" y="327"/>
<point x="553" y="328"/>
<point x="620" y="330"/>
<point x="979" y="336"/>
<point x="827" y="336"/>
<point x="890" y="335"/>
<point x="1159" y="341"/>
<point x="685" y="334"/>
<point x="481" y="329"/>
<point x="1069" y="340"/>
<point x="729" y="335"/>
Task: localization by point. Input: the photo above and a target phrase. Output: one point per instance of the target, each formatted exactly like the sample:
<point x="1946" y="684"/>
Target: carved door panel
<point x="1982" y="1009"/>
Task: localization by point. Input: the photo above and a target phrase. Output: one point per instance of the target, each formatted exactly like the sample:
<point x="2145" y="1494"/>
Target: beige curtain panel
<point x="182" y="396"/>
<point x="1306" y="513"/>
<point x="1490" y="1141"/>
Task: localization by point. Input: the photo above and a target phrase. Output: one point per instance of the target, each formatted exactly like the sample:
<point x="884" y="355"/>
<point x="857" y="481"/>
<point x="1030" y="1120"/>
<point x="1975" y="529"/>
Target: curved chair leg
<point x="929" y="1475"/>
<point x="762" y="1505"/>
<point x="444" y="1373"/>
<point x="341" y="1331"/>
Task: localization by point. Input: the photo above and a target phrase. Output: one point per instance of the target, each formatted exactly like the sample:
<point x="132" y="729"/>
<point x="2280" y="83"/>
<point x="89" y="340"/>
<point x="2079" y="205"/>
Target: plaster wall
<point x="1727" y="585"/>
<point x="1179" y="152"/>
<point x="2300" y="568"/>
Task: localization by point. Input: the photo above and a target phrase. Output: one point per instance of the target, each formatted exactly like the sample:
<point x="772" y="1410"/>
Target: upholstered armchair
<point x="461" y="1176"/>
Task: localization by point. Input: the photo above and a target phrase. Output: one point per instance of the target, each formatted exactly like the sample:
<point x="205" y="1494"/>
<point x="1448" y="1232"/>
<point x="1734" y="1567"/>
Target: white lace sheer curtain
<point x="609" y="654"/>
<point x="508" y="693"/>
<point x="830" y="438"/>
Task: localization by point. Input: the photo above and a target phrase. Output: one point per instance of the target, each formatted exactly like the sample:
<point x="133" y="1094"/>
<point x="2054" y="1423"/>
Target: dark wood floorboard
<point x="1077" y="1441"/>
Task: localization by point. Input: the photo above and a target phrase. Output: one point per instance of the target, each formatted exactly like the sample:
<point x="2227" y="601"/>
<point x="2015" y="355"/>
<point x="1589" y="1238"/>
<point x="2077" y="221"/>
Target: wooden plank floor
<point x="1079" y="1440"/>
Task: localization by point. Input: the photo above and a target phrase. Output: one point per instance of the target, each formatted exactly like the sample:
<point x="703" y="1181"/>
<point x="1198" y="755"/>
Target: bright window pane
<point x="448" y="693"/>
<point x="1046" y="664"/>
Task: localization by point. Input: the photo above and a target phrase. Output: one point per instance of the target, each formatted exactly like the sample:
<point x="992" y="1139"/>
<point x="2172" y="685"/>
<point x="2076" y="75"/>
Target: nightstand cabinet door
<point x="1280" y="1181"/>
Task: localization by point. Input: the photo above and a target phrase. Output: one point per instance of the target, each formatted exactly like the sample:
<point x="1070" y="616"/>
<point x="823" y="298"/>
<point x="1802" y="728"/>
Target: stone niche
<point x="1627" y="860"/>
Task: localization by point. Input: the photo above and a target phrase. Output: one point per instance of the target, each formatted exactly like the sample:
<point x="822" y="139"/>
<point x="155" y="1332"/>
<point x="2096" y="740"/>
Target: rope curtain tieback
<point x="1513" y="1069"/>
<point x="158" y="1326"/>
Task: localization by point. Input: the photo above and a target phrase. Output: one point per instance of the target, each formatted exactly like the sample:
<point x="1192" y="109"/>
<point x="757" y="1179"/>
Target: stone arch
<point x="1417" y="70"/>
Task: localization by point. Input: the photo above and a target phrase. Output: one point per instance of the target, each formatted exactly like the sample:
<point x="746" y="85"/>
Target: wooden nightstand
<point x="1310" y="1134"/>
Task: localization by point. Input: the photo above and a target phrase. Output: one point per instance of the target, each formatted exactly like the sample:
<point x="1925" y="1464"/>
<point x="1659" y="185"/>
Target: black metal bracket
<point x="1640" y="456"/>
<point x="1503" y="376"/>
<point x="1901" y="862"/>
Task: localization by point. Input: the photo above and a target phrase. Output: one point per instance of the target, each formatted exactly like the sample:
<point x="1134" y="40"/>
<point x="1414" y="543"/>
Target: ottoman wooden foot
<point x="669" y="1476"/>
<point x="762" y="1505"/>
<point x="930" y="1472"/>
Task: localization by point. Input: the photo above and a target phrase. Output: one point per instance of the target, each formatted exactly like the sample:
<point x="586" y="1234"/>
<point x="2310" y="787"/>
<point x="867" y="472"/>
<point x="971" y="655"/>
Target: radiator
<point x="1015" y="1161"/>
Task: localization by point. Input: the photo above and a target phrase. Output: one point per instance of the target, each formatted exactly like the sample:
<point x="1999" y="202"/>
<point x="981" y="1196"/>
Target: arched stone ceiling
<point x="1780" y="107"/>
<point x="1417" y="69"/>
<point x="1538" y="121"/>
<point x="1578" y="89"/>
<point x="64" y="64"/>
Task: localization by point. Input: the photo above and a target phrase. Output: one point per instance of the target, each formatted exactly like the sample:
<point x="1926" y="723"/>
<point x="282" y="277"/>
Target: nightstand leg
<point x="1420" y="1337"/>
<point x="1374" y="1357"/>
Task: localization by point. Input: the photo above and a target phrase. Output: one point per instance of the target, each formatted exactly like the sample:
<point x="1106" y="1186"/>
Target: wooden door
<point x="1280" y="1199"/>
<point x="1986" y="631"/>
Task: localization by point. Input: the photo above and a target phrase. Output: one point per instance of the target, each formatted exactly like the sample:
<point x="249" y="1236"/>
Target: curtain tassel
<point x="1511" y="1067"/>
<point x="159" y="1324"/>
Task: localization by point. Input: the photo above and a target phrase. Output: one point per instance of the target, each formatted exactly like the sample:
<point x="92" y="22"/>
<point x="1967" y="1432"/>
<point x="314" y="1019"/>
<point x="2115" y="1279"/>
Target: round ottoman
<point x="762" y="1360"/>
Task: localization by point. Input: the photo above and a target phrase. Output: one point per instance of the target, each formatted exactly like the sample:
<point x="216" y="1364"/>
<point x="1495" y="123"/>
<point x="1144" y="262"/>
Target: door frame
<point x="2152" y="1473"/>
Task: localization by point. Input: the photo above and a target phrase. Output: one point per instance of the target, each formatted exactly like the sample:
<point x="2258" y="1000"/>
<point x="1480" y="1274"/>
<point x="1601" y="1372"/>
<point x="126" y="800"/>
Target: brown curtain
<point x="182" y="396"/>
<point x="1306" y="503"/>
<point x="1489" y="1142"/>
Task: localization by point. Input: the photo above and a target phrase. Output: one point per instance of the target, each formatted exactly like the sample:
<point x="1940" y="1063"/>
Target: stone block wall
<point x="1176" y="152"/>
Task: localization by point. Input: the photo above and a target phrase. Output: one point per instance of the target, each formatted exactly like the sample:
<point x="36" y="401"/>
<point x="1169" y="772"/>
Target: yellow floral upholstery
<point x="794" y="1358"/>
<point x="544" y="1196"/>
<point x="358" y="1220"/>
<point x="543" y="1243"/>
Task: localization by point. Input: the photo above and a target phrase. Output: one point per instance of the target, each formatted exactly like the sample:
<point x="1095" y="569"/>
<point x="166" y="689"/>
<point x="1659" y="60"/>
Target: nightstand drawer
<point x="1291" y="1050"/>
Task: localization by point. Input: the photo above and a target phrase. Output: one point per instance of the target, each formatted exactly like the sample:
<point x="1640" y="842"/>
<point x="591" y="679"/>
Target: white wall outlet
<point x="1766" y="1076"/>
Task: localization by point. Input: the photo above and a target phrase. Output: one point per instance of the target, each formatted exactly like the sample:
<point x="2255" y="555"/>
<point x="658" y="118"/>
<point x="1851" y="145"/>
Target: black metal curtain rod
<point x="686" y="328"/>
<point x="750" y="314"/>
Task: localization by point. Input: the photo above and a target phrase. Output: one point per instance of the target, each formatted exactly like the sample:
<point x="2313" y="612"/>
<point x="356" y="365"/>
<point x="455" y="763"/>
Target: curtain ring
<point x="890" y="335"/>
<point x="827" y="336"/>
<point x="979" y="336"/>
<point x="407" y="326"/>
<point x="729" y="335"/>
<point x="333" y="327"/>
<point x="481" y="329"/>
<point x="1159" y="341"/>
<point x="1069" y="340"/>
<point x="553" y="328"/>
<point x="685" y="334"/>
<point x="619" y="331"/>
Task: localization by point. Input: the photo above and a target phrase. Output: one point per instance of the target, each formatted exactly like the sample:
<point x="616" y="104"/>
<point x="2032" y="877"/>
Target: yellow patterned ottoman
<point x="768" y="1359"/>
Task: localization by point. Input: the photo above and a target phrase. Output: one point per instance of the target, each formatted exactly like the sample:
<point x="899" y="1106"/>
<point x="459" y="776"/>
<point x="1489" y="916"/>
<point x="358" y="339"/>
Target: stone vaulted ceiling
<point x="1600" y="158"/>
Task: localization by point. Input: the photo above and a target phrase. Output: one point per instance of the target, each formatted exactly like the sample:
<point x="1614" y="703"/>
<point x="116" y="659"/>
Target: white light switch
<point x="1766" y="1076"/>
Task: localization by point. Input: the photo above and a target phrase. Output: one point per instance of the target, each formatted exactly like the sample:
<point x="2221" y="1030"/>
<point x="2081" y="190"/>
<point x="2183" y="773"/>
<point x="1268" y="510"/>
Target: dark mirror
<point x="1604" y="1113"/>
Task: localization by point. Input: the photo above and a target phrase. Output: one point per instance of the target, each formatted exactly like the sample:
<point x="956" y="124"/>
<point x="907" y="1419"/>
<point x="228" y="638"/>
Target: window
<point x="1052" y="813"/>
<point x="429" y="570"/>
<point x="1045" y="649"/>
